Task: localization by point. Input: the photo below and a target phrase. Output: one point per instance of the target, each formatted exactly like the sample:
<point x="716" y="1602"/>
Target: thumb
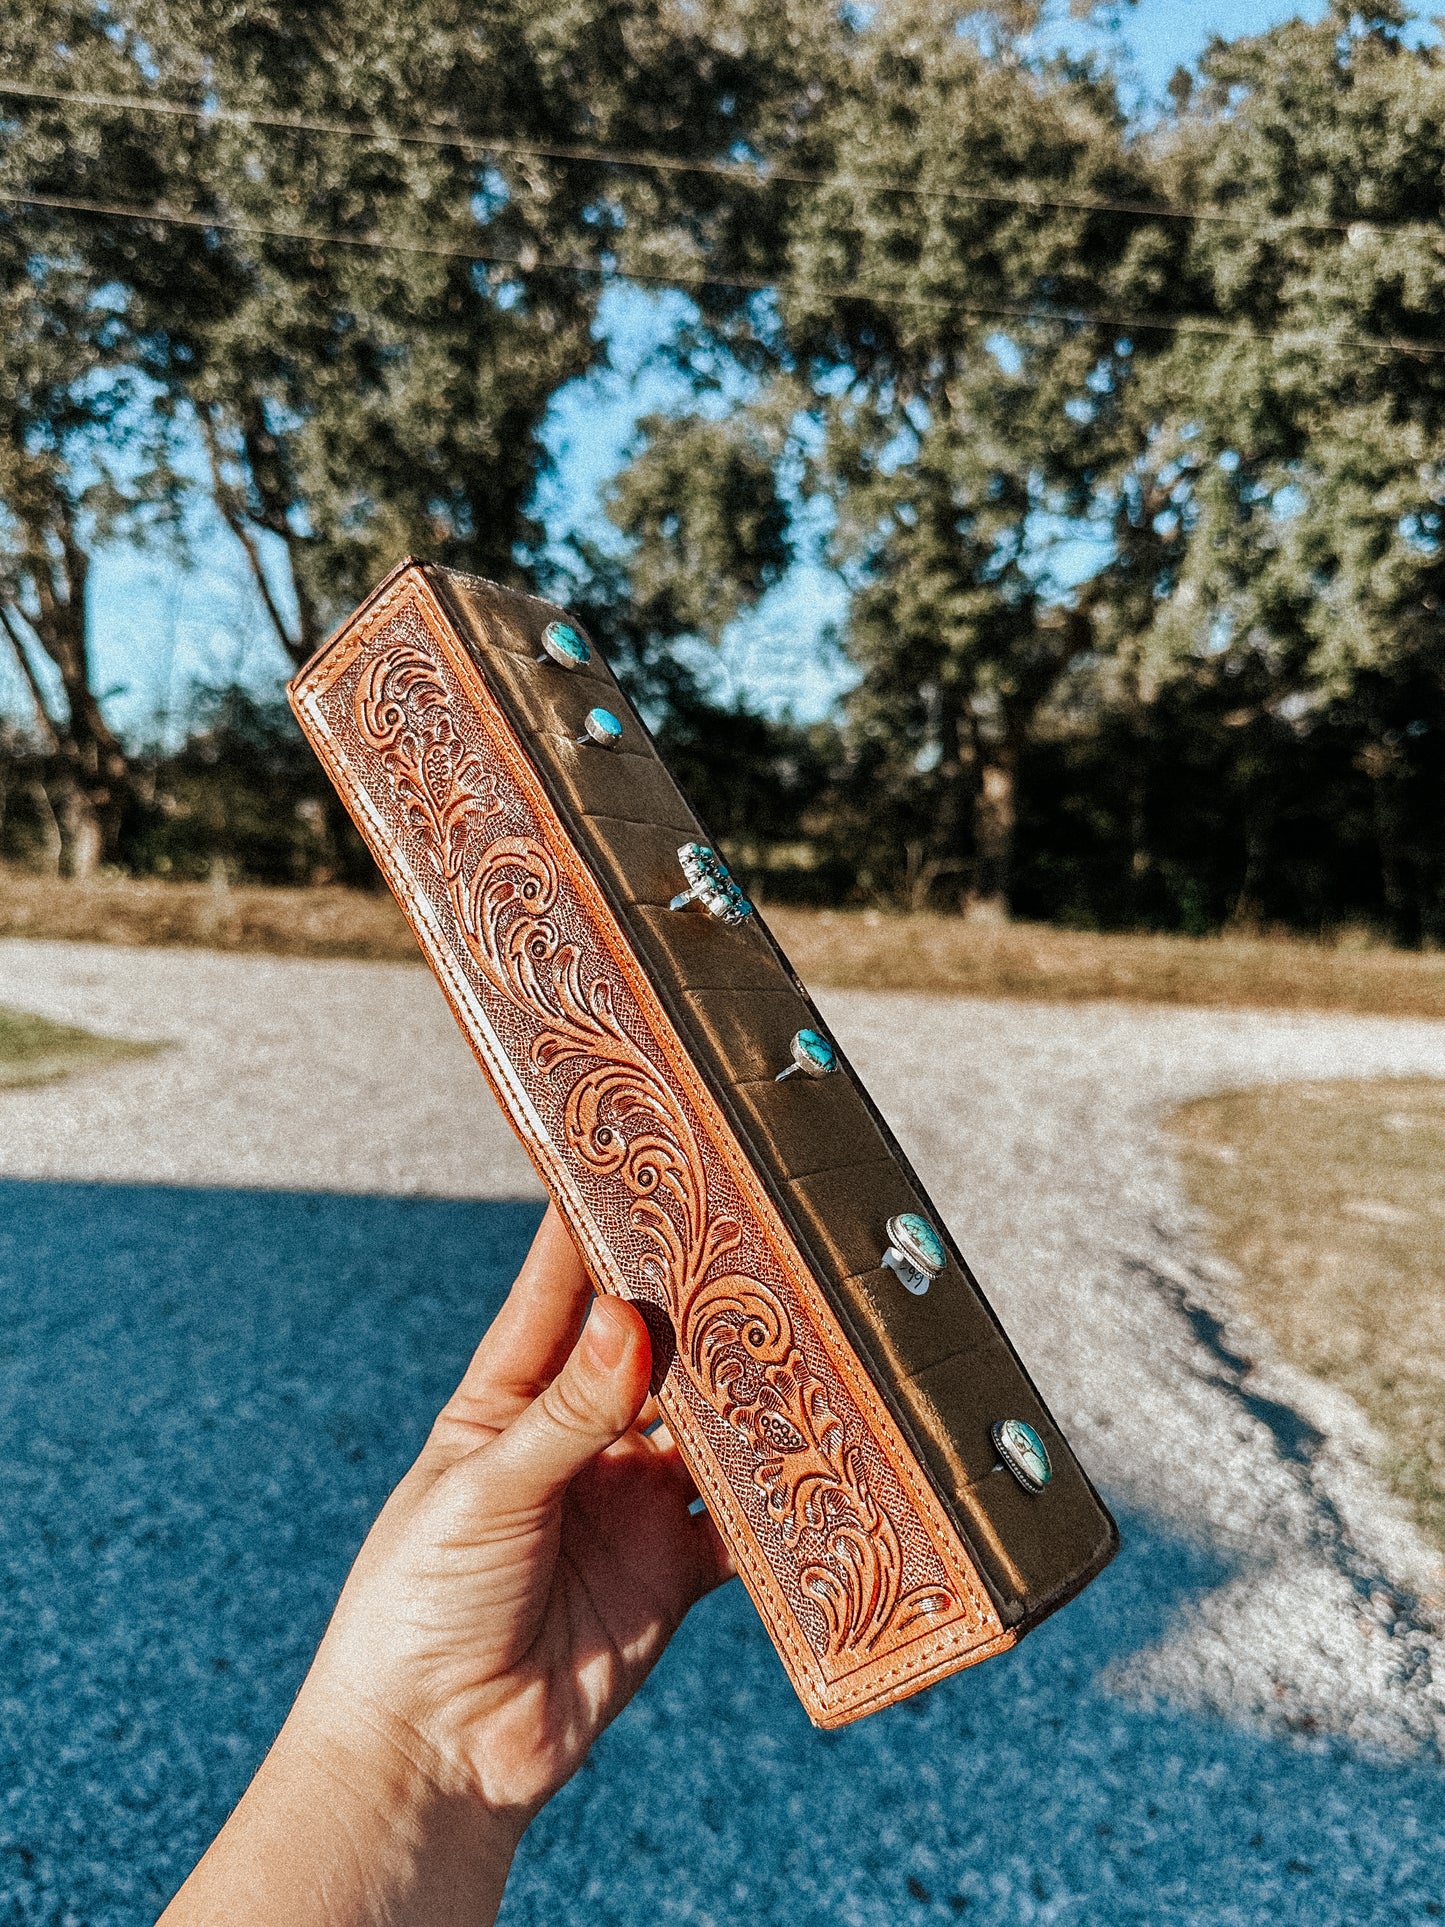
<point x="590" y="1404"/>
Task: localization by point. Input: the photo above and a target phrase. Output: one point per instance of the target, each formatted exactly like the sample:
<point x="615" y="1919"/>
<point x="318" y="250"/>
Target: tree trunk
<point x="100" y="784"/>
<point x="995" y="821"/>
<point x="83" y="833"/>
<point x="259" y="508"/>
<point x="54" y="842"/>
<point x="1398" y="882"/>
<point x="944" y="852"/>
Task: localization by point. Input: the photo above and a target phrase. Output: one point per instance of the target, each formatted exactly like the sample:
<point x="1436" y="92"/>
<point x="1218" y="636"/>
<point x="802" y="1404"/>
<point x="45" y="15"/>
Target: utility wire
<point x="765" y="174"/>
<point x="532" y="263"/>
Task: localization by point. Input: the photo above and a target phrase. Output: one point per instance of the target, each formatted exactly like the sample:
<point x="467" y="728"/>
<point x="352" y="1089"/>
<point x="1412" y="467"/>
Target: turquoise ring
<point x="812" y="1054"/>
<point x="1022" y="1452"/>
<point x="562" y="645"/>
<point x="915" y="1252"/>
<point x="600" y="726"/>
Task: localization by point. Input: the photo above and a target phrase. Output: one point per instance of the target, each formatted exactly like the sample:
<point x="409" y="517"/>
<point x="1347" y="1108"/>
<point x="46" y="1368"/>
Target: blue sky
<point x="159" y="627"/>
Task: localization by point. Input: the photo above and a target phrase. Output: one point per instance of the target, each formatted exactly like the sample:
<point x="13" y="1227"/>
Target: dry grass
<point x="35" y="1051"/>
<point x="288" y="923"/>
<point x="846" y="949"/>
<point x="1328" y="1198"/>
<point x="861" y="950"/>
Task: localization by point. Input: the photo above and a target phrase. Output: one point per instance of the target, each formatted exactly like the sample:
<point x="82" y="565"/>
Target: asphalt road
<point x="237" y="1278"/>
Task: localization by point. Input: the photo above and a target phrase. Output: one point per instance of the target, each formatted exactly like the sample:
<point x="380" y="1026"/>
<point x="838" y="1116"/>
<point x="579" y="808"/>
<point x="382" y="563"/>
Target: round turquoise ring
<point x="915" y="1252"/>
<point x="812" y="1054"/>
<point x="562" y="645"/>
<point x="710" y="884"/>
<point x="600" y="726"/>
<point x="1022" y="1452"/>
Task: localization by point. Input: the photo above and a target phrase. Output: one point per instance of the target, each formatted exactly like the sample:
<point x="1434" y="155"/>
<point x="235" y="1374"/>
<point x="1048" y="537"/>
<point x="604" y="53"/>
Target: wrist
<point x="347" y="1822"/>
<point x="417" y="1821"/>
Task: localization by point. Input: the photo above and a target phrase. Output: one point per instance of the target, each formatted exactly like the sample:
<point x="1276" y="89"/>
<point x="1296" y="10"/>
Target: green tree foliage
<point x="244" y="791"/>
<point x="691" y="560"/>
<point x="951" y="404"/>
<point x="700" y="557"/>
<point x="359" y="402"/>
<point x="378" y="264"/>
<point x="999" y="333"/>
<point x="1127" y="436"/>
<point x="1306" y="470"/>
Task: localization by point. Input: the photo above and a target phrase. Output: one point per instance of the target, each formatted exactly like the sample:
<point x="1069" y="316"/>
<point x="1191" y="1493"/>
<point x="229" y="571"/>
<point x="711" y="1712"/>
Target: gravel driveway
<point x="1240" y="1722"/>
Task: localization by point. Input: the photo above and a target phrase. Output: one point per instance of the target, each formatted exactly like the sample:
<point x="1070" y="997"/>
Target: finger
<point x="664" y="1450"/>
<point x="713" y="1562"/>
<point x="528" y="1341"/>
<point x="588" y="1406"/>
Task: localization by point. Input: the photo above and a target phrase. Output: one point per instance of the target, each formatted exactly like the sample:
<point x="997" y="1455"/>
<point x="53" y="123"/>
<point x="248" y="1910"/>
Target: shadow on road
<point x="205" y="1395"/>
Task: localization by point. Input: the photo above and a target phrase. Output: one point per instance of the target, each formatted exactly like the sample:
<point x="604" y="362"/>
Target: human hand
<point x="528" y="1571"/>
<point x="514" y="1593"/>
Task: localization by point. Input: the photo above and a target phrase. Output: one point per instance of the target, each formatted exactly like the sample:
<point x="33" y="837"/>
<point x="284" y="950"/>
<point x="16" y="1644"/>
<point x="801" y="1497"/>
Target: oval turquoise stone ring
<point x="915" y="1251"/>
<point x="600" y="726"/>
<point x="1023" y="1452"/>
<point x="812" y="1054"/>
<point x="562" y="644"/>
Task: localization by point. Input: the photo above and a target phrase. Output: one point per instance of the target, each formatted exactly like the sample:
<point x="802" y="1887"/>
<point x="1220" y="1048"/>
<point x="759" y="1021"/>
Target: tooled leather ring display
<point x="873" y="1560"/>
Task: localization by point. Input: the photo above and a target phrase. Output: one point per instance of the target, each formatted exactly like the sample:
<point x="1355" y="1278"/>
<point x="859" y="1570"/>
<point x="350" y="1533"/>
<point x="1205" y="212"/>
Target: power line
<point x="765" y="174"/>
<point x="531" y="263"/>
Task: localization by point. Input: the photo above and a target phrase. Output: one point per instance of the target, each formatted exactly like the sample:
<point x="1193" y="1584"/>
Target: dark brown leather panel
<point x="958" y="1399"/>
<point x="808" y="1127"/>
<point x="905" y="1334"/>
<point x="641" y="859"/>
<point x="540" y="697"/>
<point x="510" y="622"/>
<point x="620" y="783"/>
<point x="1024" y="1540"/>
<point x="750" y="1029"/>
<point x="854" y="1202"/>
<point x="510" y="626"/>
<point x="690" y="950"/>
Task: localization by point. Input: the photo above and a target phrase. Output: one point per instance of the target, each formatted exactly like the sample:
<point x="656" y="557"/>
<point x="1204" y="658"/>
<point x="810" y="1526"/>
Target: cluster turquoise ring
<point x="710" y="884"/>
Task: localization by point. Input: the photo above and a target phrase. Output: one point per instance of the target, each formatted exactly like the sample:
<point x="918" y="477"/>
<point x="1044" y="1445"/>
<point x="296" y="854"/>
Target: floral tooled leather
<point x="860" y="1577"/>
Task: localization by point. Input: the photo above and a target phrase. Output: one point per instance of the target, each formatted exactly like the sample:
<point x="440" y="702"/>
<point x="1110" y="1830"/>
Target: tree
<point x="372" y="275"/>
<point x="85" y="431"/>
<point x="357" y="402"/>
<point x="1241" y="408"/>
<point x="704" y="533"/>
<point x="944" y="290"/>
<point x="951" y="396"/>
<point x="1306" y="446"/>
<point x="62" y="394"/>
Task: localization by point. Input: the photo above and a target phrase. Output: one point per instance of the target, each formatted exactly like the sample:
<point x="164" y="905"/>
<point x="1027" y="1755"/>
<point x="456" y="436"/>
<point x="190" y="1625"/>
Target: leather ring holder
<point x="839" y="1427"/>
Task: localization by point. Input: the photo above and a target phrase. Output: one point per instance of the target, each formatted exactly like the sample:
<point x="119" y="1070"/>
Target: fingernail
<point x="606" y="1336"/>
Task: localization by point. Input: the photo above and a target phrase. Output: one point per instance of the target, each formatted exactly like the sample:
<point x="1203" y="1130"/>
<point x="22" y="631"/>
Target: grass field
<point x="851" y="949"/>
<point x="288" y="923"/>
<point x="861" y="950"/>
<point x="35" y="1051"/>
<point x="1329" y="1200"/>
